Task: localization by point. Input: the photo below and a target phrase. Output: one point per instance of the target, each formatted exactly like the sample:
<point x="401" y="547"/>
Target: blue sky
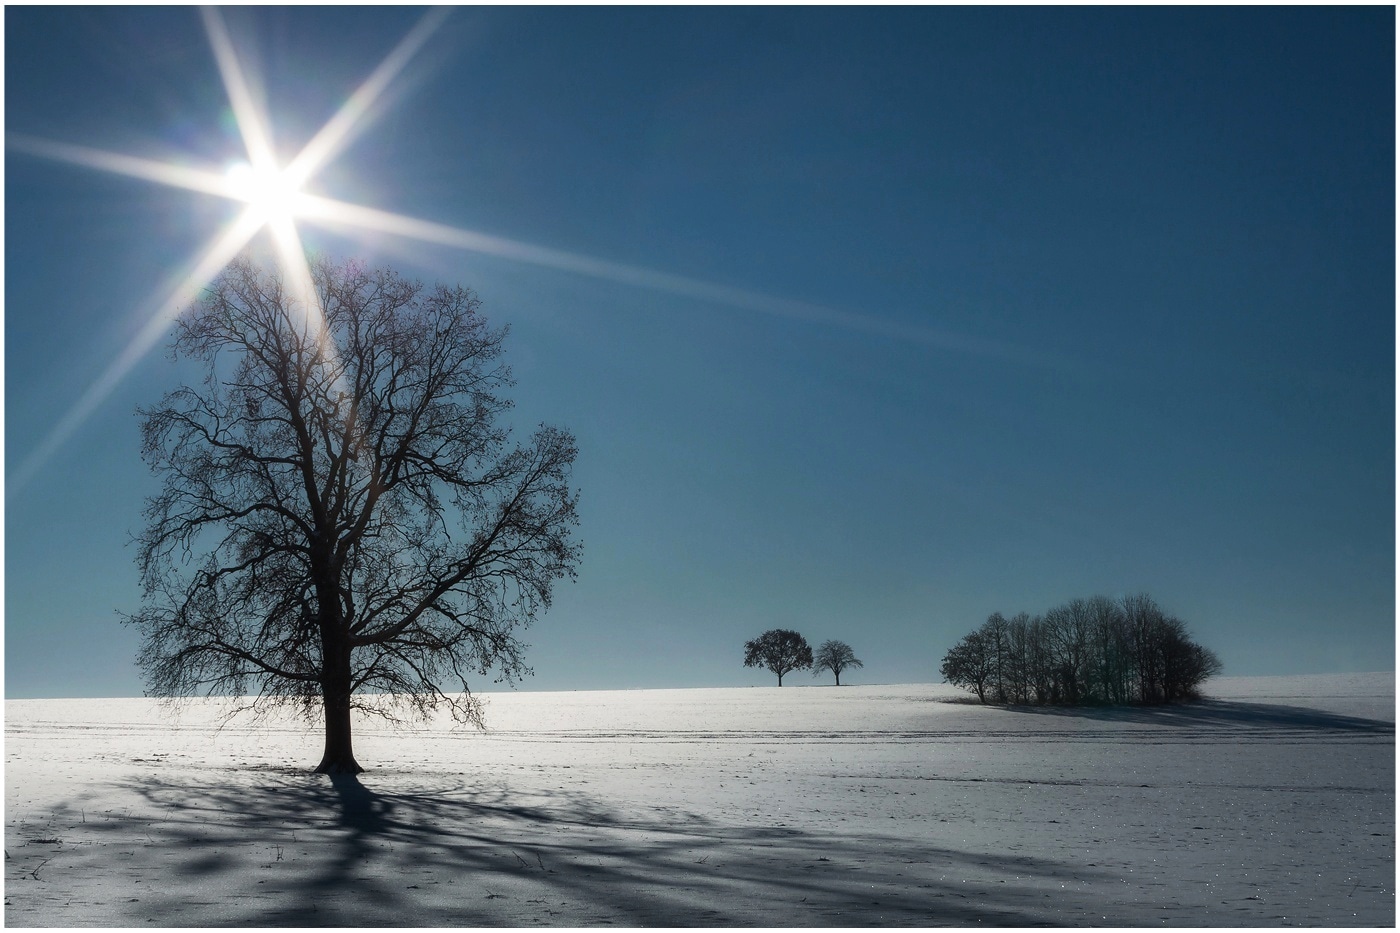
<point x="1074" y="301"/>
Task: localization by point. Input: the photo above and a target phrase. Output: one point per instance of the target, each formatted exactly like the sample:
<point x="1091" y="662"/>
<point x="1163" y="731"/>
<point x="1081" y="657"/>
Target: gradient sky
<point x="1032" y="304"/>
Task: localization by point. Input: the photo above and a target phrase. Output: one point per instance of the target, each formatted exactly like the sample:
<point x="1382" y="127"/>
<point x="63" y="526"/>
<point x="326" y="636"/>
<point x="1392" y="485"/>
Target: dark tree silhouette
<point x="341" y="511"/>
<point x="970" y="664"/>
<point x="780" y="650"/>
<point x="1087" y="651"/>
<point x="834" y="656"/>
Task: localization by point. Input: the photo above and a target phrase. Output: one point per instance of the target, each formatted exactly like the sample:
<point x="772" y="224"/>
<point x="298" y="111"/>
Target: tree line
<point x="1084" y="652"/>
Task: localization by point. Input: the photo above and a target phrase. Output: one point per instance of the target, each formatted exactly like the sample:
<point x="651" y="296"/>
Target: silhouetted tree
<point x="780" y="650"/>
<point x="970" y="664"/>
<point x="834" y="656"/>
<point x="1185" y="664"/>
<point x="996" y="631"/>
<point x="1143" y="621"/>
<point x="1087" y="651"/>
<point x="341" y="511"/>
<point x="1109" y="651"/>
<point x="1018" y="665"/>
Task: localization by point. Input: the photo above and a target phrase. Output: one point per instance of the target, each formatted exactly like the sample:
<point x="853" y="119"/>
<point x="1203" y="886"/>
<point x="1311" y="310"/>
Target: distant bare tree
<point x="1018" y="664"/>
<point x="341" y="511"/>
<point x="780" y="650"/>
<point x="996" y="632"/>
<point x="1185" y="664"/>
<point x="834" y="656"/>
<point x="970" y="663"/>
<point x="1109" y="651"/>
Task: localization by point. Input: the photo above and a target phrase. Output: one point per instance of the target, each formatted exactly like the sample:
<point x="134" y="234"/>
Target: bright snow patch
<point x="1271" y="804"/>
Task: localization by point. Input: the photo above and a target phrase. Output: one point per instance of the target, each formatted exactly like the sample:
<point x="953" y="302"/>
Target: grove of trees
<point x="341" y="510"/>
<point x="1085" y="652"/>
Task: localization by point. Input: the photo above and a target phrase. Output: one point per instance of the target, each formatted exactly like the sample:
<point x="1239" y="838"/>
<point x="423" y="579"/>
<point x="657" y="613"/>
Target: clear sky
<point x="1026" y="304"/>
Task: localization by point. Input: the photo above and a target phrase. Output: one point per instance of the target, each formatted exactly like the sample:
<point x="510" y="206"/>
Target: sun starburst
<point x="270" y="192"/>
<point x="275" y="199"/>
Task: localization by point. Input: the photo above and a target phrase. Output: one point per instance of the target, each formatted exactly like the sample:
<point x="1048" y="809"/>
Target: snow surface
<point x="1273" y="803"/>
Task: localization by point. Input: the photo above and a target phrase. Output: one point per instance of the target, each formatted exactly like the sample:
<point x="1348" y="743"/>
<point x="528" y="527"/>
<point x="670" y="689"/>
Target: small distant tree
<point x="834" y="656"/>
<point x="780" y="650"/>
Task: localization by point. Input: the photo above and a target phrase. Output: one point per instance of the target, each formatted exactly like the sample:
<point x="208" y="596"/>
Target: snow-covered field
<point x="1273" y="803"/>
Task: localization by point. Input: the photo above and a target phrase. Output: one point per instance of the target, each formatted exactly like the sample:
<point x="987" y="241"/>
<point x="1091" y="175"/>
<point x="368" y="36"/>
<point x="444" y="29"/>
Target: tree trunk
<point x="780" y="680"/>
<point x="838" y="678"/>
<point x="339" y="757"/>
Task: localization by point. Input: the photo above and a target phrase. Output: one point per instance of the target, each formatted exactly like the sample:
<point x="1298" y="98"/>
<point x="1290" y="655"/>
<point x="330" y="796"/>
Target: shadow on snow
<point x="1217" y="714"/>
<point x="338" y="852"/>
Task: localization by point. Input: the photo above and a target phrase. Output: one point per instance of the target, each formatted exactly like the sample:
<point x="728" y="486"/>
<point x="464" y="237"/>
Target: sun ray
<point x="215" y="256"/>
<point x="252" y="125"/>
<point x="331" y="212"/>
<point x="165" y="173"/>
<point x="296" y="272"/>
<point x="350" y="119"/>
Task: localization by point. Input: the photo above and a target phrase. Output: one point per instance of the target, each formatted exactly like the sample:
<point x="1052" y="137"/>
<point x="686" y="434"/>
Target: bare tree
<point x="341" y="511"/>
<point x="1185" y="664"/>
<point x="1143" y="620"/>
<point x="996" y="632"/>
<point x="1109" y="651"/>
<point x="971" y="663"/>
<point x="780" y="650"/>
<point x="1018" y="663"/>
<point x="834" y="656"/>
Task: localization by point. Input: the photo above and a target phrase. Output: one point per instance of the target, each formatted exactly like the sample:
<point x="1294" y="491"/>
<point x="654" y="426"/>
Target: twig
<point x="35" y="873"/>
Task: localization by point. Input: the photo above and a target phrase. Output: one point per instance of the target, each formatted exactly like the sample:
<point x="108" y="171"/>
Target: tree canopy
<point x="780" y="650"/>
<point x="834" y="656"/>
<point x="341" y="509"/>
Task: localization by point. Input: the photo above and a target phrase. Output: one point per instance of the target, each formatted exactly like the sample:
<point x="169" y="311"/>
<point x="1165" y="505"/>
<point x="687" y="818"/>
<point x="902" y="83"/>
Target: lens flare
<point x="276" y="200"/>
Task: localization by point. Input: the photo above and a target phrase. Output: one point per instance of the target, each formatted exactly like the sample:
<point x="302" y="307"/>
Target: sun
<point x="271" y="192"/>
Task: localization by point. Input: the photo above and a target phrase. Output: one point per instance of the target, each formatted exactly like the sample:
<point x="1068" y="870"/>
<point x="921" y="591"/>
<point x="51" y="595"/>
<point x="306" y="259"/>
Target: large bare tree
<point x="342" y="512"/>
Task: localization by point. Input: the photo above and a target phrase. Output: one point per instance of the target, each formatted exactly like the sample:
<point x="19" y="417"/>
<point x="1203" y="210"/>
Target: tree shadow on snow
<point x="1218" y="714"/>
<point x="294" y="849"/>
